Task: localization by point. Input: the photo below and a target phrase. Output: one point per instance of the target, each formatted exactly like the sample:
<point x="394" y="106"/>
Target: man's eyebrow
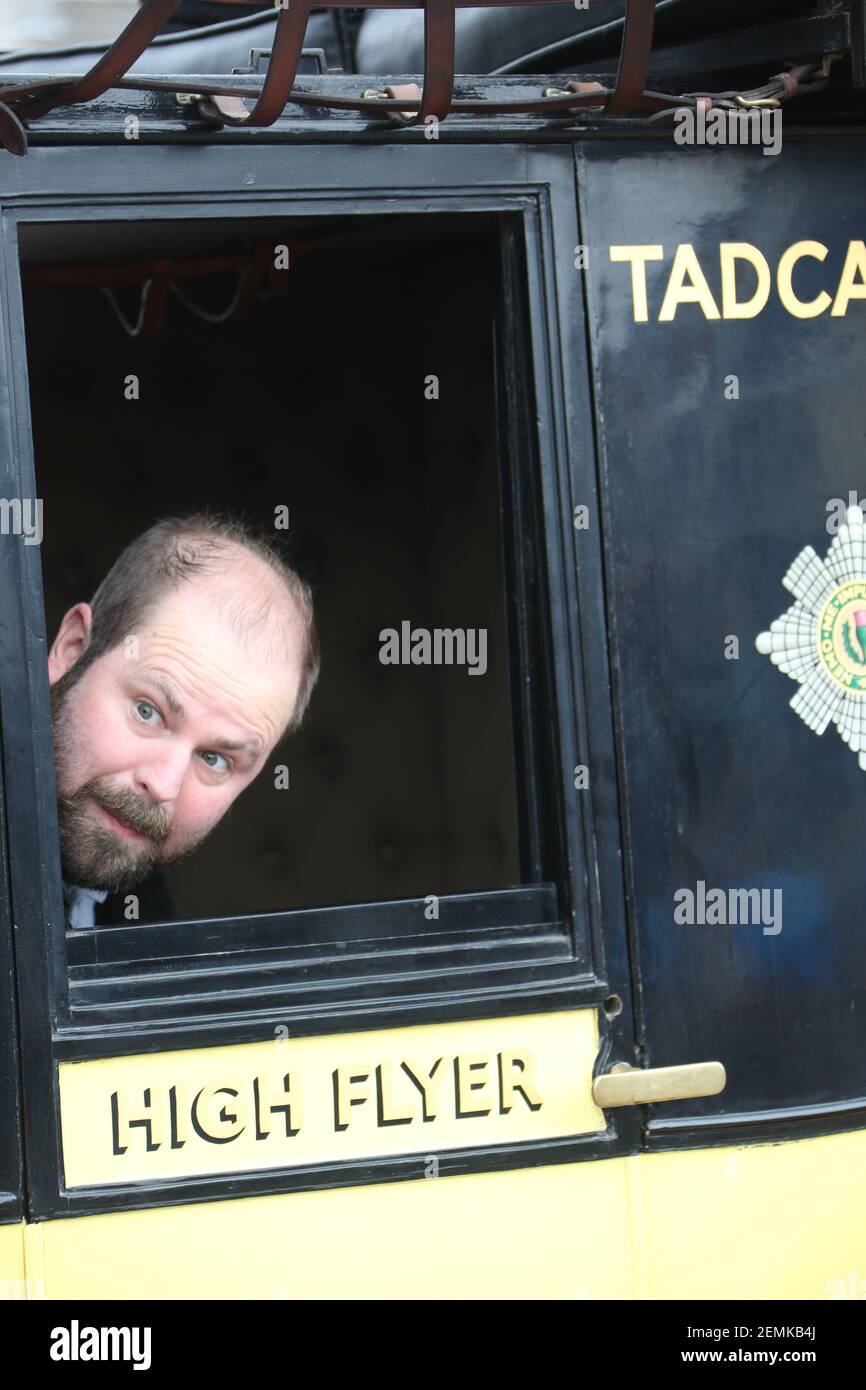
<point x="251" y="746"/>
<point x="160" y="683"/>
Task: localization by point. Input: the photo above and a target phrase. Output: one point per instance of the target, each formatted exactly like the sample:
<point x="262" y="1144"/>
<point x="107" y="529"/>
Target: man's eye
<point x="215" y="766"/>
<point x="146" y="705"/>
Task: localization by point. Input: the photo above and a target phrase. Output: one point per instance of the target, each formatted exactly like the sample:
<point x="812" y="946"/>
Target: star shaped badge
<point x="820" y="641"/>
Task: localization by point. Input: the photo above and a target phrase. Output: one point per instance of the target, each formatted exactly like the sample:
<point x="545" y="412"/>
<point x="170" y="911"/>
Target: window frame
<point x="551" y="964"/>
<point x="11" y="1147"/>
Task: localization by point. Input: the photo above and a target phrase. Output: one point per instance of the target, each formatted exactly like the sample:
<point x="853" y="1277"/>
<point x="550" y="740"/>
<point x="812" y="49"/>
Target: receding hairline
<point x="246" y="598"/>
<point x="219" y="549"/>
<point x="283" y="629"/>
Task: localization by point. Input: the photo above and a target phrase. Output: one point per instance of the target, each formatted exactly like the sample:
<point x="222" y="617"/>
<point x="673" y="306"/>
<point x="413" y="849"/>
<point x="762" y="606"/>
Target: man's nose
<point x="160" y="778"/>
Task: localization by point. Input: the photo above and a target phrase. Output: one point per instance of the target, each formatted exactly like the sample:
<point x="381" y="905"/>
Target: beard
<point x="92" y="855"/>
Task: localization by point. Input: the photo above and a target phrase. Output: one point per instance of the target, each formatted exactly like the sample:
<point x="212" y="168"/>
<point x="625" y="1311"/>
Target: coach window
<point x="346" y="382"/>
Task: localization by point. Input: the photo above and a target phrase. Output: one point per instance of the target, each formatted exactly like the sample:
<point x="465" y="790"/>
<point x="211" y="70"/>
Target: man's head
<point x="169" y="691"/>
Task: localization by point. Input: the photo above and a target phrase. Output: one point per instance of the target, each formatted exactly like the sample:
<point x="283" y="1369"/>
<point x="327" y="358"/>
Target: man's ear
<point x="71" y="641"/>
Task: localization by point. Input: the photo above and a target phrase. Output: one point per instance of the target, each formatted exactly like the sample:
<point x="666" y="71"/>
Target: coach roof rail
<point x="407" y="104"/>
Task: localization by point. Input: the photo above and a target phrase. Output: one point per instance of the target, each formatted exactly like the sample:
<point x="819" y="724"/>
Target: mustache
<point x="152" y="821"/>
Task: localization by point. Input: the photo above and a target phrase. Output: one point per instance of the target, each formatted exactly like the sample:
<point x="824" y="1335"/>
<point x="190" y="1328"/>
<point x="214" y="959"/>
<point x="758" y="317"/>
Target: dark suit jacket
<point x="155" y="904"/>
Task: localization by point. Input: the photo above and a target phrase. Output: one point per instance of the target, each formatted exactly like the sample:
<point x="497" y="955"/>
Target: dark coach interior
<point x="310" y="396"/>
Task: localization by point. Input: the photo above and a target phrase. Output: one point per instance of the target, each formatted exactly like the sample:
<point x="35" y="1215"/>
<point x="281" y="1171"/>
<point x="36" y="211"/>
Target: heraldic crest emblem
<point x="821" y="640"/>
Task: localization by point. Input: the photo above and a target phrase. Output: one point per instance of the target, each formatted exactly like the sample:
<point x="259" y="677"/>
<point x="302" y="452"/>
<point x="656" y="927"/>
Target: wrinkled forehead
<point x="242" y="645"/>
<point x="244" y="608"/>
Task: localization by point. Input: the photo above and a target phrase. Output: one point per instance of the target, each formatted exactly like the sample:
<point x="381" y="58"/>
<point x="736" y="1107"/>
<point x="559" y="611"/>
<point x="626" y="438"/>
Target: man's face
<point x="157" y="738"/>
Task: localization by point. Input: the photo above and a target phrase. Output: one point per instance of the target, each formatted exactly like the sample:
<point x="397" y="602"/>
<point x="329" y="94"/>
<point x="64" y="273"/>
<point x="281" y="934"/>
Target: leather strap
<point x="583" y="88"/>
<point x="583" y="94"/>
<point x="439" y="40"/>
<point x="116" y="60"/>
<point x="222" y="104"/>
<point x="439" y="63"/>
<point x="279" y="78"/>
<point x="634" y="57"/>
<point x="13" y="136"/>
<point x="404" y="89"/>
<point x="438" y="94"/>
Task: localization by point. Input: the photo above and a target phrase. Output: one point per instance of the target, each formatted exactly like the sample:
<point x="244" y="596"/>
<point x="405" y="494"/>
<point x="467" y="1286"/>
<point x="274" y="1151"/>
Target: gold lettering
<point x="146" y="1114"/>
<point x="345" y="1080"/>
<point x="801" y="309"/>
<point x="386" y="1106"/>
<point x="516" y="1073"/>
<point x="678" y="292"/>
<point x="849" y="288"/>
<point x="729" y="253"/>
<point x="212" y="1118"/>
<point x="178" y="1103"/>
<point x="429" y="1082"/>
<point x="464" y="1085"/>
<point x="267" y="1104"/>
<point x="638" y="256"/>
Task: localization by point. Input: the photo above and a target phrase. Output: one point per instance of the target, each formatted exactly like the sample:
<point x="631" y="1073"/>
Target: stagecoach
<point x="544" y="983"/>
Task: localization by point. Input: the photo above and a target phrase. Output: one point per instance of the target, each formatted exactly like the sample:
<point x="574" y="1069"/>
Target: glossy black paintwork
<point x="698" y="768"/>
<point x="708" y="500"/>
<point x="11" y="1159"/>
<point x="575" y="957"/>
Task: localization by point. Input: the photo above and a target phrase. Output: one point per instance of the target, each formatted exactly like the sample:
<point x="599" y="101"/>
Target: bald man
<point x="196" y="655"/>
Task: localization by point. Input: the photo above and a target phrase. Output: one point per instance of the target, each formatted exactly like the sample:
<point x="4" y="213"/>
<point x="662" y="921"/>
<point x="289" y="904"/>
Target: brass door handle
<point x="628" y="1085"/>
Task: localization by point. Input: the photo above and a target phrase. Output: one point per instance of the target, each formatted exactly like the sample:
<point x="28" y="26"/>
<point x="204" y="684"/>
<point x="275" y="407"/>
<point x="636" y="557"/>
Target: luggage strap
<point x="403" y="103"/>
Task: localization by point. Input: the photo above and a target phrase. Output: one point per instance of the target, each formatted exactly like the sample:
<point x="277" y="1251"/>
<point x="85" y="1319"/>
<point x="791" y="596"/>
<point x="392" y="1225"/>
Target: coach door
<point x="728" y="333"/>
<point x="404" y="956"/>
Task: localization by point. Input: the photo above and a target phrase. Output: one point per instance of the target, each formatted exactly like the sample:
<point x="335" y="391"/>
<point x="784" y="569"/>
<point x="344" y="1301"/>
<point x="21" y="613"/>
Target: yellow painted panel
<point x="551" y="1232"/>
<point x="12" y="1282"/>
<point x="768" y="1221"/>
<point x="419" y="1090"/>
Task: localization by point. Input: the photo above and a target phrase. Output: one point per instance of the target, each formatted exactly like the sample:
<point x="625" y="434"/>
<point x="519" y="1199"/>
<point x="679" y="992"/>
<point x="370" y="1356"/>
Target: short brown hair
<point x="177" y="549"/>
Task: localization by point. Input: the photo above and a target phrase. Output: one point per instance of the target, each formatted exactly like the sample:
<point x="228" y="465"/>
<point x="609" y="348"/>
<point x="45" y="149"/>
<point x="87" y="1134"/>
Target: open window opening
<point x="354" y="376"/>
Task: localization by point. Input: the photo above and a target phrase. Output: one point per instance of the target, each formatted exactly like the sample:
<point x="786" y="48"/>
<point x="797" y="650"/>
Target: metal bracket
<point x="259" y="57"/>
